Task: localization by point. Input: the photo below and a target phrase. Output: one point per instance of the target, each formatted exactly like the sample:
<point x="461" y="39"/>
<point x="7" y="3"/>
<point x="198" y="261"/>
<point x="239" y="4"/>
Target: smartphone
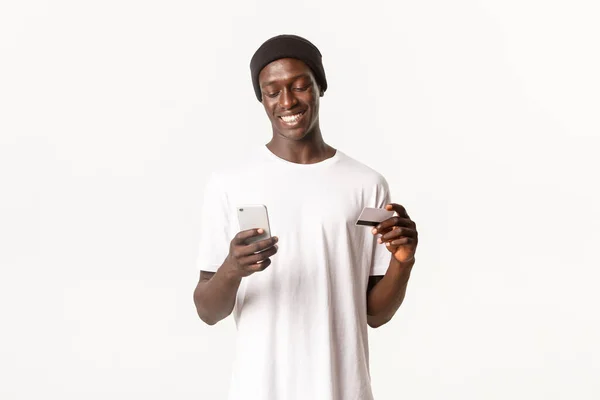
<point x="254" y="216"/>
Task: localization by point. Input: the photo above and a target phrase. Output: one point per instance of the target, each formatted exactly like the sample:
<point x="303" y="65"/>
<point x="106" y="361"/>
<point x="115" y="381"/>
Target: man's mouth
<point x="292" y="119"/>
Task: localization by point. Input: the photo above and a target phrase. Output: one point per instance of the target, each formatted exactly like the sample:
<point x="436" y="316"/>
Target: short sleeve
<point x="381" y="256"/>
<point x="215" y="228"/>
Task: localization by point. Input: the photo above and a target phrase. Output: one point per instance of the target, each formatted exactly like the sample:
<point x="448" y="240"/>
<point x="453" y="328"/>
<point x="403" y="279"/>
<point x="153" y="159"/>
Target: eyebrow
<point x="289" y="79"/>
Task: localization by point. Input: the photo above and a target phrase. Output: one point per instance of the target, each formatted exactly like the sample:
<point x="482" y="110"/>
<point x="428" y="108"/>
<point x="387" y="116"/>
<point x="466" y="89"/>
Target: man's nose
<point x="287" y="99"/>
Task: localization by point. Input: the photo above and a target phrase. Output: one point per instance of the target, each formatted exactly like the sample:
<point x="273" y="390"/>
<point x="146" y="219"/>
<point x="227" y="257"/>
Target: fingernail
<point x="379" y="240"/>
<point x="374" y="231"/>
<point x="276" y="238"/>
<point x="259" y="230"/>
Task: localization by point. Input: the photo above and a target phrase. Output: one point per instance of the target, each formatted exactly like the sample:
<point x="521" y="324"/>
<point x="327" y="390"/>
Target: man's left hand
<point x="399" y="233"/>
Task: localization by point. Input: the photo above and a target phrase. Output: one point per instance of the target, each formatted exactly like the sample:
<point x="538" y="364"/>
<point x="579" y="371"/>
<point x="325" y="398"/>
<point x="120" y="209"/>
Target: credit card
<point x="373" y="216"/>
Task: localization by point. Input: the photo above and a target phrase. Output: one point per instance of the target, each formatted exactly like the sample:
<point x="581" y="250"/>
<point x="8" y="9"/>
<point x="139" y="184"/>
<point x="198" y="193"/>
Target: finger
<point x="401" y="241"/>
<point x="260" y="266"/>
<point x="259" y="246"/>
<point x="400" y="210"/>
<point x="263" y="255"/>
<point x="247" y="234"/>
<point x="389" y="223"/>
<point x="252" y="261"/>
<point x="398" y="232"/>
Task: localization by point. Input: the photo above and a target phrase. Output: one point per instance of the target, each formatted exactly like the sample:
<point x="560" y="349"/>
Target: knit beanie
<point x="287" y="46"/>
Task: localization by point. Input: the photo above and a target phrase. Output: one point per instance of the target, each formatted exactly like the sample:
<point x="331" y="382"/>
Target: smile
<point x="292" y="119"/>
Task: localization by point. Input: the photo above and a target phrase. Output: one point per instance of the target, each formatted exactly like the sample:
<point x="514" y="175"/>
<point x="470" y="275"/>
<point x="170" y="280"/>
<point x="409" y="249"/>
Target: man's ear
<point x="321" y="92"/>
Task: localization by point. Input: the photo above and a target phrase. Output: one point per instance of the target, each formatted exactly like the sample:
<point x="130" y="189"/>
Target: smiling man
<point x="301" y="300"/>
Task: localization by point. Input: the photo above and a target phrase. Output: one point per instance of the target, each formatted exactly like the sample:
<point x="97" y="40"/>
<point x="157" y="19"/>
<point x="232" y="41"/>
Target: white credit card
<point x="373" y="216"/>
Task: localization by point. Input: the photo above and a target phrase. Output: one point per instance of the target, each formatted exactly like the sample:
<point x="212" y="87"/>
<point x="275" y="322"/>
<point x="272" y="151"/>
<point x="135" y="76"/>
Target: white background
<point x="482" y="115"/>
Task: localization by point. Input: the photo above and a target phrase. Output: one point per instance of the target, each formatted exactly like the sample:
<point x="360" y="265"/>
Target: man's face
<point x="290" y="95"/>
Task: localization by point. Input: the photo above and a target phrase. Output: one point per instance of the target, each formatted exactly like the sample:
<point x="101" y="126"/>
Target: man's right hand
<point x="246" y="259"/>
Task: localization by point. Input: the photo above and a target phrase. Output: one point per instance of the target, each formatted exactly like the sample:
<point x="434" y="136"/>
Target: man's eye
<point x="302" y="89"/>
<point x="272" y="95"/>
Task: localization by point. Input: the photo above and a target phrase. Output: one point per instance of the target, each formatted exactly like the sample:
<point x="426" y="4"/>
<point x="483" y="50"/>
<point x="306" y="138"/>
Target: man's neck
<point x="301" y="152"/>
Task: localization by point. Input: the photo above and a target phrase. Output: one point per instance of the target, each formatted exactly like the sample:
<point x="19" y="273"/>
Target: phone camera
<point x="241" y="209"/>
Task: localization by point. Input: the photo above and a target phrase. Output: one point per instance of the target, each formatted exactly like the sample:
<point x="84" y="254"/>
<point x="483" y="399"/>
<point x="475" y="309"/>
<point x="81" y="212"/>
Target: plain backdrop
<point x="482" y="115"/>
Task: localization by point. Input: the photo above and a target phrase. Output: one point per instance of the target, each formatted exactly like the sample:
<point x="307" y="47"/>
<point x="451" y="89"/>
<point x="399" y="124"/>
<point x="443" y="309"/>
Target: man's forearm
<point x="215" y="297"/>
<point x="384" y="299"/>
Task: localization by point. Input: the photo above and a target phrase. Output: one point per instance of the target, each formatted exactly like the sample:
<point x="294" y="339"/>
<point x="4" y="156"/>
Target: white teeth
<point x="291" y="118"/>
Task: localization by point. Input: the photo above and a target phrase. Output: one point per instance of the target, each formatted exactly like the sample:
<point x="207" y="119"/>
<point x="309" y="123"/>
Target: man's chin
<point x="296" y="137"/>
<point x="292" y="134"/>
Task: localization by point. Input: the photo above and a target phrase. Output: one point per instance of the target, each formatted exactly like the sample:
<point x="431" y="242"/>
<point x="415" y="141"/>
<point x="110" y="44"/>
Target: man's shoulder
<point x="362" y="170"/>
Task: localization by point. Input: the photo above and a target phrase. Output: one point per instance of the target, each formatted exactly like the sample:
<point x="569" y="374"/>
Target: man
<point x="302" y="304"/>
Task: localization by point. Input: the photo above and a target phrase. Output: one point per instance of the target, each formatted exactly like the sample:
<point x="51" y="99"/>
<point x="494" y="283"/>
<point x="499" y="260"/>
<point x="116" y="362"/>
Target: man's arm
<point x="400" y="236"/>
<point x="215" y="292"/>
<point x="214" y="295"/>
<point x="386" y="293"/>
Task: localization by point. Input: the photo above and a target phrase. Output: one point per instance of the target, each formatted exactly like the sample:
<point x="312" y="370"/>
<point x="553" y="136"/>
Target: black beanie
<point x="284" y="46"/>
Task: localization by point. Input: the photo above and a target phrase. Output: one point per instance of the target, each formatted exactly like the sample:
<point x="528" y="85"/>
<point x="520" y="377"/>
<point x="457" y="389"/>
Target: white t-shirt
<point x="302" y="322"/>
